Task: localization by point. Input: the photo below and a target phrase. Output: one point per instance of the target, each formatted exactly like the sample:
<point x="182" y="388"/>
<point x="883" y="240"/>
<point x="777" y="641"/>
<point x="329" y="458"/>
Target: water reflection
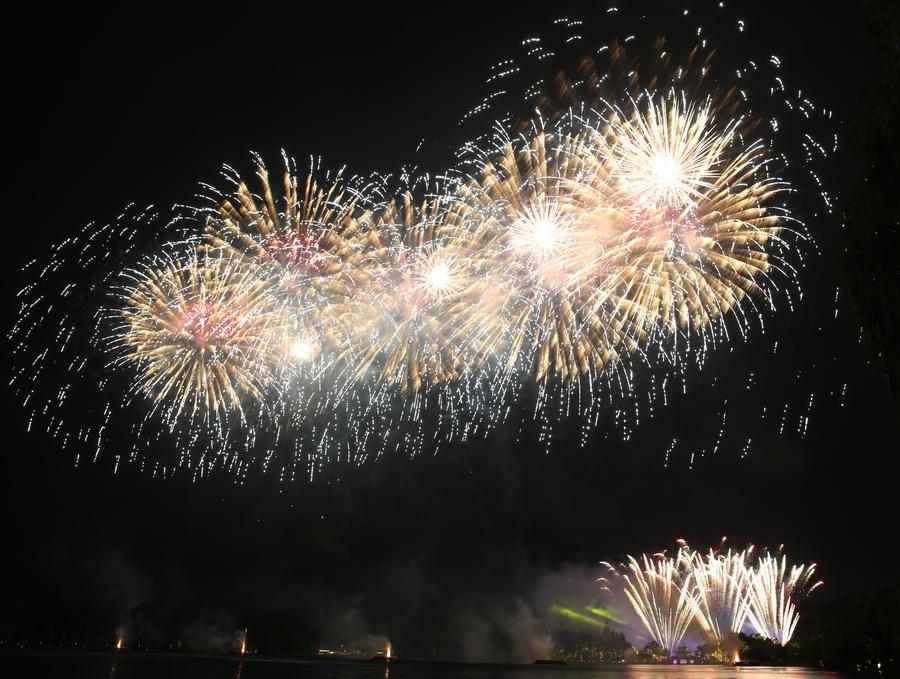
<point x="152" y="666"/>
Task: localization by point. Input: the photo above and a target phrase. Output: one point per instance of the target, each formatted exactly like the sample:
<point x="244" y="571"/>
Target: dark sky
<point x="139" y="106"/>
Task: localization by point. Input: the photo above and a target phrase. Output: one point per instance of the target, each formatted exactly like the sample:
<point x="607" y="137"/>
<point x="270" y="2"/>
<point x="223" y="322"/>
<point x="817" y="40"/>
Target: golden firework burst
<point x="198" y="334"/>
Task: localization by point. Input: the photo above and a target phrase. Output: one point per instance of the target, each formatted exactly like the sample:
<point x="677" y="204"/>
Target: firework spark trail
<point x="63" y="384"/>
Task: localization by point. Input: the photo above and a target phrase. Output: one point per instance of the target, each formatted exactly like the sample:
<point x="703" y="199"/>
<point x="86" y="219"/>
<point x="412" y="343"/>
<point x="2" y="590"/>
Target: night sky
<point x="138" y="106"/>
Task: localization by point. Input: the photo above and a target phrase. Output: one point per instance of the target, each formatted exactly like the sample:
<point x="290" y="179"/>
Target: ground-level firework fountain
<point x="722" y="592"/>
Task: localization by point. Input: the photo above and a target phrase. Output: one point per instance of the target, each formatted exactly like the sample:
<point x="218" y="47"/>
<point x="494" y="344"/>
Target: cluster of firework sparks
<point x="723" y="591"/>
<point x="568" y="251"/>
<point x="645" y="227"/>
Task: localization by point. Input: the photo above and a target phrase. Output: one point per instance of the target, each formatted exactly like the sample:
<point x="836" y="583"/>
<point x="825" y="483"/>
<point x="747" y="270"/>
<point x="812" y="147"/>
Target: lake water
<point x="160" y="666"/>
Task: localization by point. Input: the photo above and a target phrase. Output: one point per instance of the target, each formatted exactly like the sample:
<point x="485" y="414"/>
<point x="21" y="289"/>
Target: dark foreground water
<point x="153" y="666"/>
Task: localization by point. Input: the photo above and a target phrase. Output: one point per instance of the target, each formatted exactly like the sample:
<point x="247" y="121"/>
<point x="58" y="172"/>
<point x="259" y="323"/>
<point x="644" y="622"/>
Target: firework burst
<point x="546" y="234"/>
<point x="700" y="207"/>
<point x="429" y="297"/>
<point x="311" y="240"/>
<point x="198" y="334"/>
<point x="636" y="219"/>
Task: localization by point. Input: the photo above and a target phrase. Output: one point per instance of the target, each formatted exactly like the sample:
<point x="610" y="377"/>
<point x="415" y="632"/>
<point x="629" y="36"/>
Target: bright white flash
<point x="540" y="231"/>
<point x="667" y="173"/>
<point x="544" y="235"/>
<point x="439" y="277"/>
<point x="301" y="350"/>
